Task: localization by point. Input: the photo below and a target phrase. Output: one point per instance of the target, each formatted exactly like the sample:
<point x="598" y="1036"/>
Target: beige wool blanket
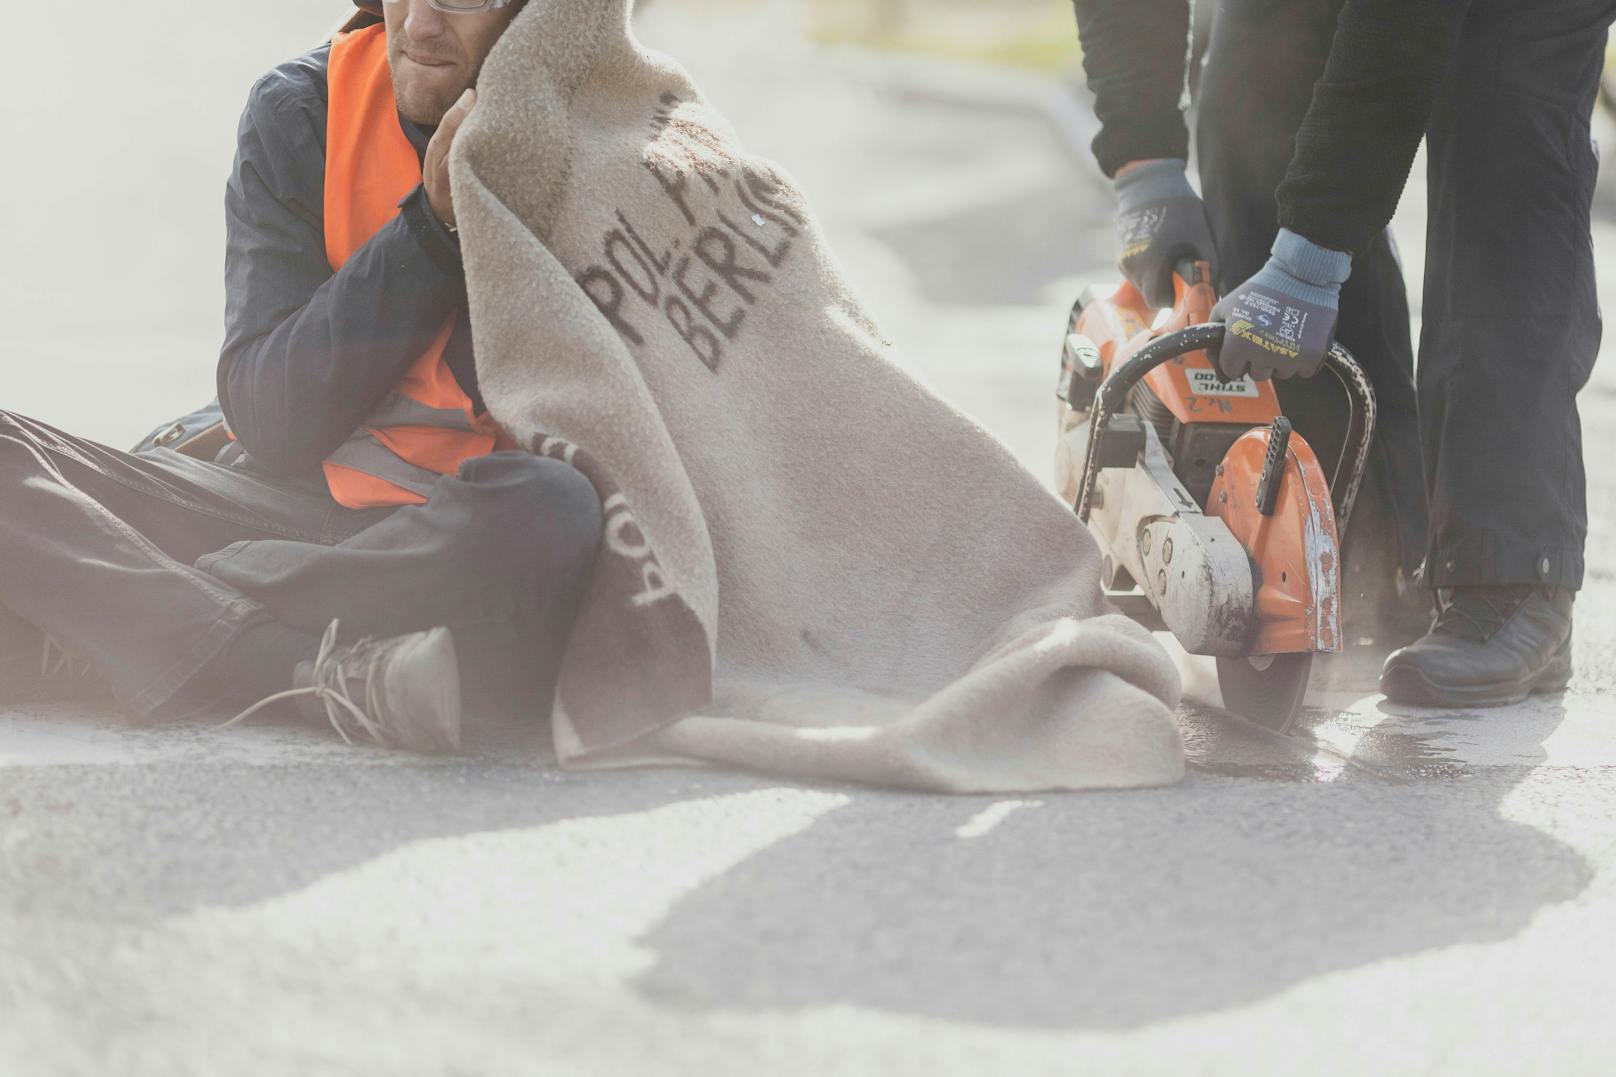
<point x="812" y="565"/>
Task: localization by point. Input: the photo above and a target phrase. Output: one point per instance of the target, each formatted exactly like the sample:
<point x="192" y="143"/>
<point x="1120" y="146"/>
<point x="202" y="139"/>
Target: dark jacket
<point x="1357" y="144"/>
<point x="308" y="353"/>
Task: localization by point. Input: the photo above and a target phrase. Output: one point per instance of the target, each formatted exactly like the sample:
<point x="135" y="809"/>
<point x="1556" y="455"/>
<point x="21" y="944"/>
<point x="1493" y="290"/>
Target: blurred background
<point x="1035" y="34"/>
<point x="941" y="152"/>
<point x="942" y="142"/>
<point x="1438" y="905"/>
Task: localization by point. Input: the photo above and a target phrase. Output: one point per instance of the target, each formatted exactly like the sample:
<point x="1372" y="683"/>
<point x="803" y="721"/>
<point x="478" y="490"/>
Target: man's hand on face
<point x="435" y="55"/>
<point x="1281" y="322"/>
<point x="435" y="170"/>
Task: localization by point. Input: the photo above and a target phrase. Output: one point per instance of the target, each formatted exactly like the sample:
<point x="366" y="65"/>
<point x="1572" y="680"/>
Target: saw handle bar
<point x="1112" y="395"/>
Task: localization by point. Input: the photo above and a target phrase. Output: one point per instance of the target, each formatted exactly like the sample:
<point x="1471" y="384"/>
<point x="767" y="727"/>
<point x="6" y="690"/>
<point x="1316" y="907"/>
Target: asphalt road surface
<point x="1389" y="891"/>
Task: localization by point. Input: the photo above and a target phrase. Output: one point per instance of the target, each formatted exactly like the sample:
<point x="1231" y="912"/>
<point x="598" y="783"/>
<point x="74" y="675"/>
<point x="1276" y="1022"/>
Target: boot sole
<point x="1406" y="684"/>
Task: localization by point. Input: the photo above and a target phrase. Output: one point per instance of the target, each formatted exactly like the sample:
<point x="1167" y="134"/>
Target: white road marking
<point x="1330" y="761"/>
<point x="991" y="816"/>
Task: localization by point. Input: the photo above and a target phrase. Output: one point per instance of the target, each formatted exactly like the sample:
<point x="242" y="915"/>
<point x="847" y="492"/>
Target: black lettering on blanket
<point x="717" y="250"/>
<point x="660" y="263"/>
<point x="625" y="539"/>
<point x="702" y="279"/>
<point x="689" y="147"/>
<point x="703" y="293"/>
<point x="592" y="280"/>
<point x="623" y="535"/>
<point x="673" y="185"/>
<point x="775" y="255"/>
<point x="640" y="278"/>
<point x="759" y="191"/>
<point x="699" y="337"/>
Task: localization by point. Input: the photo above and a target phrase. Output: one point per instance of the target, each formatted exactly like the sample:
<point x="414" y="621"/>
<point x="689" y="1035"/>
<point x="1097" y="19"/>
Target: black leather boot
<point x="1488" y="646"/>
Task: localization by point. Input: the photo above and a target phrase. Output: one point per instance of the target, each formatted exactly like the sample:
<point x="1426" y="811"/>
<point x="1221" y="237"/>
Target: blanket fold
<point x="812" y="565"/>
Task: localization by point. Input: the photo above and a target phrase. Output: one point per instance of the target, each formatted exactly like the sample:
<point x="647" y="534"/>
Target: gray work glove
<point x="1160" y="222"/>
<point x="1281" y="322"/>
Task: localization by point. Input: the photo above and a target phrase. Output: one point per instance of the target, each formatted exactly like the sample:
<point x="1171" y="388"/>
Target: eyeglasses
<point x="459" y="7"/>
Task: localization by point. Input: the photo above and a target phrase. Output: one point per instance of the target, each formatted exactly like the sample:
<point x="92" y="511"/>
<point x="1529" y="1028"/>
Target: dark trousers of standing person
<point x="149" y="565"/>
<point x="1253" y="96"/>
<point x="1511" y="323"/>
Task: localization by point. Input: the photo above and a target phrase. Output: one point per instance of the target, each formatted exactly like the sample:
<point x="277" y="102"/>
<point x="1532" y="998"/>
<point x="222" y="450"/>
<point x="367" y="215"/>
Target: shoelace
<point x="1482" y="611"/>
<point x="331" y="689"/>
<point x="56" y="660"/>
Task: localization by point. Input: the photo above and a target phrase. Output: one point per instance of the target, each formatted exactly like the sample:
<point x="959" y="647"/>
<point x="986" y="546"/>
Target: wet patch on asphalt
<point x="1224" y="744"/>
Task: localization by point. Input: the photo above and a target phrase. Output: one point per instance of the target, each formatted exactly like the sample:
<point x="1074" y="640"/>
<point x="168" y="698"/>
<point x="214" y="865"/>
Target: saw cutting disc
<point x="1268" y="688"/>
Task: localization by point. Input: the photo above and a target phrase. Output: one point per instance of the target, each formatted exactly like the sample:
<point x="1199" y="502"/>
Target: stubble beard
<point x="422" y="108"/>
<point x="419" y="100"/>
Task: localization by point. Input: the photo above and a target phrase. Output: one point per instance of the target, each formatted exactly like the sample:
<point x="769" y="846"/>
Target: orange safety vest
<point x="427" y="426"/>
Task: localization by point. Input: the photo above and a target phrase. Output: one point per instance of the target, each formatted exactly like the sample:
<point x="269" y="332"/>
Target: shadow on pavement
<point x="1118" y="909"/>
<point x="134" y="844"/>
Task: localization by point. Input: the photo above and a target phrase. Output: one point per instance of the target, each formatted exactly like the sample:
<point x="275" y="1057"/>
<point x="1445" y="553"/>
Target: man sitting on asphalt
<point x="364" y="483"/>
<point x="1327" y="100"/>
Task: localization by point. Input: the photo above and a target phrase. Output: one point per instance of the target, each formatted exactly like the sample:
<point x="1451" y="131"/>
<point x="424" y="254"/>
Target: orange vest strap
<point x="427" y="426"/>
<point x="370" y="164"/>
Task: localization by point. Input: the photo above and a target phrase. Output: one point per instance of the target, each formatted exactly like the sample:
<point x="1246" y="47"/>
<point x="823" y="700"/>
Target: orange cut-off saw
<point x="1216" y="520"/>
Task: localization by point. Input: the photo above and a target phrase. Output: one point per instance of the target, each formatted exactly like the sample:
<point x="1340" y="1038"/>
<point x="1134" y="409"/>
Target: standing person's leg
<point x="1511" y="332"/>
<point x="500" y="554"/>
<point x="1265" y="57"/>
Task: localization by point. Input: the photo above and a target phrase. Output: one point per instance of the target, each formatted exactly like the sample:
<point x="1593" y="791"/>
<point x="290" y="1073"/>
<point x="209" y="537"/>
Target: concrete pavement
<point x="1390" y="891"/>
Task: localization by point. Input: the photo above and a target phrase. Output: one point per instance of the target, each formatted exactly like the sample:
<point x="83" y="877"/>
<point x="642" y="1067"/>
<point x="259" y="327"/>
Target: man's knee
<point x="536" y="512"/>
<point x="565" y="506"/>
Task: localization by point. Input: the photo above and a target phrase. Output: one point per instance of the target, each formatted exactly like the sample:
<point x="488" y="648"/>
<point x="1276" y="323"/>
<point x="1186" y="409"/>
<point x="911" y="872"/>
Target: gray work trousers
<point x="148" y="565"/>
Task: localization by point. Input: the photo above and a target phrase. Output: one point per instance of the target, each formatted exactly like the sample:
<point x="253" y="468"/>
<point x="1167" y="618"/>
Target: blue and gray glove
<point x="1160" y="222"/>
<point x="1281" y="322"/>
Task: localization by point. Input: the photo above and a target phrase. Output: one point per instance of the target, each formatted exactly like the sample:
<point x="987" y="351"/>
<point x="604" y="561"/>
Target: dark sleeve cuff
<point x="1339" y="231"/>
<point x="1124" y="139"/>
<point x="440" y="244"/>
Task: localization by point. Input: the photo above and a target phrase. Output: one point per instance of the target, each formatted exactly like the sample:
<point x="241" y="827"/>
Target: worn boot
<point x="402" y="692"/>
<point x="1488" y="646"/>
